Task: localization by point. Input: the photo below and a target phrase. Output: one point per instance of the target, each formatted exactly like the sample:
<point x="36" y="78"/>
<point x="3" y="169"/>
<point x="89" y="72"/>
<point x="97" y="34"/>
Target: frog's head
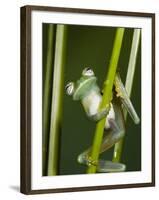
<point x="82" y="86"/>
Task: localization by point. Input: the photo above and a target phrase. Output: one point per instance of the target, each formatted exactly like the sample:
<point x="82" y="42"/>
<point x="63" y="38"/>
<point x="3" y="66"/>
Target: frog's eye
<point x="69" y="88"/>
<point x="88" y="72"/>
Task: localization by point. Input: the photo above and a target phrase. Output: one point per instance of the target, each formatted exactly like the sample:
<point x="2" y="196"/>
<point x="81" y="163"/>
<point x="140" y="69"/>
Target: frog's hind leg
<point x="117" y="127"/>
<point x="103" y="166"/>
<point x="112" y="135"/>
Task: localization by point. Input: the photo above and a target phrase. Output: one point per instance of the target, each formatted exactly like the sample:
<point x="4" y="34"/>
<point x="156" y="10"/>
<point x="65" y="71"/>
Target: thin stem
<point x="47" y="82"/>
<point x="108" y="85"/>
<point x="57" y="97"/>
<point x="128" y="85"/>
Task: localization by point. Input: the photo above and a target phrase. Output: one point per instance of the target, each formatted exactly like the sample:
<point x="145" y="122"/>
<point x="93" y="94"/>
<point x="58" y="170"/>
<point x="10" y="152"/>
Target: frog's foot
<point x="102" y="165"/>
<point x="109" y="166"/>
<point x="85" y="159"/>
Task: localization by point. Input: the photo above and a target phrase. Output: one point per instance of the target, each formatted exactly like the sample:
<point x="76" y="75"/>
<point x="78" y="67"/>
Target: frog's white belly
<point x="91" y="104"/>
<point x="111" y="115"/>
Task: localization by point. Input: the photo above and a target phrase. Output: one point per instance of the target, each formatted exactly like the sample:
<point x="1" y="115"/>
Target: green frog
<point x="86" y="90"/>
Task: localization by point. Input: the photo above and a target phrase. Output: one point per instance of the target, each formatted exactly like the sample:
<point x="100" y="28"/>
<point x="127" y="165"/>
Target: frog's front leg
<point x="91" y="104"/>
<point x="100" y="114"/>
<point x="122" y="94"/>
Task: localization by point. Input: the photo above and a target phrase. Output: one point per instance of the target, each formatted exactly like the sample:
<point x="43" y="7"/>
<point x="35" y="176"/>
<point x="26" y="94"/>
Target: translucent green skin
<point x="86" y="84"/>
<point x="84" y="87"/>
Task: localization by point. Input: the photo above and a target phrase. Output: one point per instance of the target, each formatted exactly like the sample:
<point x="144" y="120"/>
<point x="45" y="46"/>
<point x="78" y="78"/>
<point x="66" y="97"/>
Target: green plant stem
<point x="47" y="83"/>
<point x="108" y="85"/>
<point x="128" y="85"/>
<point x="57" y="97"/>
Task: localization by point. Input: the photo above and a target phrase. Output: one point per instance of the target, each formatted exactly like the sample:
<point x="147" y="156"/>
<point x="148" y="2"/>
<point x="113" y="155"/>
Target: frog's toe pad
<point x="109" y="166"/>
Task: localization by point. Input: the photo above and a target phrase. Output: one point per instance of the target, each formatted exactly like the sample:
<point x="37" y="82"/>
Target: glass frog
<point x="88" y="92"/>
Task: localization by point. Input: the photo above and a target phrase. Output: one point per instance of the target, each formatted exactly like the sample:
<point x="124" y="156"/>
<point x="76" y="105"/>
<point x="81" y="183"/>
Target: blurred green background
<point x="91" y="46"/>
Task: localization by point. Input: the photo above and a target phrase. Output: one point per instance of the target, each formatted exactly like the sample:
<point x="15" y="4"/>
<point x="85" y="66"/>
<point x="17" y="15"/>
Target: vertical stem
<point x="128" y="86"/>
<point x="47" y="83"/>
<point x="57" y="97"/>
<point x="108" y="85"/>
